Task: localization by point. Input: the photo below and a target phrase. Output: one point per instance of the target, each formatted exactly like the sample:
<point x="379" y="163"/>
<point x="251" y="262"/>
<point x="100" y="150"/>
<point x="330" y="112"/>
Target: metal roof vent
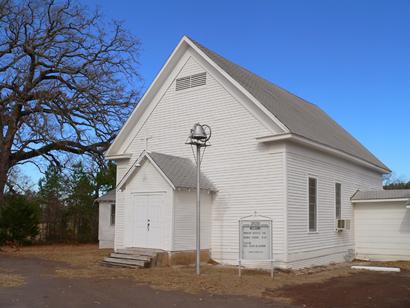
<point x="190" y="81"/>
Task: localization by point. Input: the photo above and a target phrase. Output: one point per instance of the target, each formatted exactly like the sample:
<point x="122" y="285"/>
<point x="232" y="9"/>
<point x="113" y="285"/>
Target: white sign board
<point x="255" y="239"/>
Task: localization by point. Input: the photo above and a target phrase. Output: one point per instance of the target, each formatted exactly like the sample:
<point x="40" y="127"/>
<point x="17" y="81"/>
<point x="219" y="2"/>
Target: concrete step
<point x="126" y="262"/>
<point x="139" y="251"/>
<point x="130" y="256"/>
<point x="110" y="264"/>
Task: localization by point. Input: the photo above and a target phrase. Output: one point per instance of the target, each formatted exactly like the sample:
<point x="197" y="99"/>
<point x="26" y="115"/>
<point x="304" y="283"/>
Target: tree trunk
<point x="4" y="168"/>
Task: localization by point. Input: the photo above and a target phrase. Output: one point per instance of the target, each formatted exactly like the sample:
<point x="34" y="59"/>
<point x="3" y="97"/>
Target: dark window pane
<point x="312" y="204"/>
<point x="112" y="216"/>
<point x="338" y="198"/>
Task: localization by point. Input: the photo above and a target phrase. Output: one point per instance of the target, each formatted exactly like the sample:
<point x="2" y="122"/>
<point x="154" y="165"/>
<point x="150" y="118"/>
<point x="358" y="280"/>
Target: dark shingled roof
<point x="180" y="171"/>
<point x="381" y="194"/>
<point x="299" y="116"/>
<point x="108" y="197"/>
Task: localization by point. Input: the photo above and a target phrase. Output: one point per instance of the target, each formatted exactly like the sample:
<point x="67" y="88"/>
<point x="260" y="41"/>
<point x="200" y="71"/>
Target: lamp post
<point x="198" y="137"/>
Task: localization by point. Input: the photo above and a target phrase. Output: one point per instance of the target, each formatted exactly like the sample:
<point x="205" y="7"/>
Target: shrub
<point x="19" y="220"/>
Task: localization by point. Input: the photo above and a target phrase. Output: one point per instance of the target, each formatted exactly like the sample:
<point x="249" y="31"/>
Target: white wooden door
<point x="139" y="227"/>
<point x="146" y="221"/>
<point x="154" y="227"/>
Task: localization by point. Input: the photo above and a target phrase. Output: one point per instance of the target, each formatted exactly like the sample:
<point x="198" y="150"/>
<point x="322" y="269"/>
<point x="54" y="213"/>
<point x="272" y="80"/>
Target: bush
<point x="19" y="220"/>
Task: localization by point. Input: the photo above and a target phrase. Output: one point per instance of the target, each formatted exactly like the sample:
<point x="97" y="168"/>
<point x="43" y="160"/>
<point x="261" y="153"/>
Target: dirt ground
<point x="77" y="268"/>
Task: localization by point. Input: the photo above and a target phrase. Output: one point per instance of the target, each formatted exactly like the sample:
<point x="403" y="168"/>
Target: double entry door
<point x="144" y="216"/>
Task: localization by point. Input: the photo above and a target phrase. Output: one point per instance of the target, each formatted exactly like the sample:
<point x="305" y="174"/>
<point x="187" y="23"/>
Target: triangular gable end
<point x="283" y="123"/>
<point x="136" y="166"/>
<point x="114" y="151"/>
<point x="178" y="172"/>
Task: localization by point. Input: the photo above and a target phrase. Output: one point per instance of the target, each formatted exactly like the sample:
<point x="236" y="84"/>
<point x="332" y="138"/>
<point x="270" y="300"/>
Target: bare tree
<point x="67" y="81"/>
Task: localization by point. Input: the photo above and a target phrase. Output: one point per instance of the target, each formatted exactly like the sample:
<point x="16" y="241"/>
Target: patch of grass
<point x="10" y="280"/>
<point x="83" y="261"/>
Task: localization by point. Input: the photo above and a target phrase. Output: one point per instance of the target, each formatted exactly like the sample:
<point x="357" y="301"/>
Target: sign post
<point x="255" y="240"/>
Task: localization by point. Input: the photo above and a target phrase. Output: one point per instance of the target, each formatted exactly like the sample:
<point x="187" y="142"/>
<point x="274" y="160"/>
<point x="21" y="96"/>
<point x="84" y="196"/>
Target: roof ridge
<point x="295" y="113"/>
<point x="270" y="83"/>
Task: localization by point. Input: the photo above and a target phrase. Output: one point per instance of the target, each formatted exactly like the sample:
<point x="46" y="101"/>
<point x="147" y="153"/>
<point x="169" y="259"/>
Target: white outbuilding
<point x="382" y="224"/>
<point x="106" y="219"/>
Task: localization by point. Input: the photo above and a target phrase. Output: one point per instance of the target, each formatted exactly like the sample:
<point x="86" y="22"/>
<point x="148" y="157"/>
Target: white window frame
<point x="310" y="176"/>
<point x="335" y="199"/>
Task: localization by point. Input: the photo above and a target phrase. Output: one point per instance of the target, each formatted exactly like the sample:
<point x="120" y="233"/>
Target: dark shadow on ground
<point x="364" y="289"/>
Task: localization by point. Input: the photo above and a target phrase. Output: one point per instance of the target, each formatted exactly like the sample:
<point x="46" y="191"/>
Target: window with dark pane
<point x="338" y="199"/>
<point x="112" y="216"/>
<point x="312" y="204"/>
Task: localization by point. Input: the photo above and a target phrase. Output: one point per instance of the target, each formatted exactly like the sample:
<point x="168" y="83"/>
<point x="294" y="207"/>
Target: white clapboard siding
<point x="105" y="229"/>
<point x="326" y="245"/>
<point x="185" y="220"/>
<point x="146" y="180"/>
<point x="247" y="176"/>
<point x="382" y="231"/>
<point x="122" y="167"/>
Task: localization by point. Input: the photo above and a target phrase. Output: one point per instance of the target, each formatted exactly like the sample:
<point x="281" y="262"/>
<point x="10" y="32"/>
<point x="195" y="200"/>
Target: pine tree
<point x="51" y="197"/>
<point x="82" y="210"/>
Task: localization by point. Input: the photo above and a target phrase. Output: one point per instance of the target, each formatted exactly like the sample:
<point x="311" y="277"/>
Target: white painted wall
<point x="382" y="231"/>
<point x="120" y="217"/>
<point x="248" y="176"/>
<point x="185" y="220"/>
<point x="326" y="245"/>
<point x="146" y="180"/>
<point x="105" y="229"/>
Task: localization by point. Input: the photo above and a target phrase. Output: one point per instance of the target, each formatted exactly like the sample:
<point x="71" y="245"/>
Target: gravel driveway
<point x="43" y="289"/>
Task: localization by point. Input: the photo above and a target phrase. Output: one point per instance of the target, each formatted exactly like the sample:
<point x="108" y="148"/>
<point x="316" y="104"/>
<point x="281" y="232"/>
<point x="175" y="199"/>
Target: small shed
<point x="382" y="224"/>
<point x="106" y="220"/>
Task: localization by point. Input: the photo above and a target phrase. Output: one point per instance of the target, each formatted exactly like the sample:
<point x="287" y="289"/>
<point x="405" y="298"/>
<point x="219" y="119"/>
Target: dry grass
<point x="84" y="262"/>
<point x="10" y="280"/>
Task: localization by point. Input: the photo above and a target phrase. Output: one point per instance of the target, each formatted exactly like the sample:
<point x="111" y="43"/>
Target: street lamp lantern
<point x="199" y="138"/>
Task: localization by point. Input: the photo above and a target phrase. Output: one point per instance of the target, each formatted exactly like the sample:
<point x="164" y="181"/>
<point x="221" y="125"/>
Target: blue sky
<point x="352" y="58"/>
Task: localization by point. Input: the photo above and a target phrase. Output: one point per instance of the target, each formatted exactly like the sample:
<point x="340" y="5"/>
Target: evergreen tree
<point x="53" y="213"/>
<point x="82" y="210"/>
<point x="397" y="185"/>
<point x="105" y="178"/>
<point x="19" y="219"/>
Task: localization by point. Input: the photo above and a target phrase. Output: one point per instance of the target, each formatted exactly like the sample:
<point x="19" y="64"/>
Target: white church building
<point x="272" y="153"/>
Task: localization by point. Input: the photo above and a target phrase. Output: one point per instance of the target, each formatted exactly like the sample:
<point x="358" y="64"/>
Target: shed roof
<point x="381" y="194"/>
<point x="180" y="171"/>
<point x="108" y="197"/>
<point x="299" y="116"/>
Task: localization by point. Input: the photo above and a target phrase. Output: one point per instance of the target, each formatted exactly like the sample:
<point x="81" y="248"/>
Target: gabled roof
<point x="299" y="116"/>
<point x="389" y="194"/>
<point x="179" y="171"/>
<point x="294" y="115"/>
<point x="108" y="197"/>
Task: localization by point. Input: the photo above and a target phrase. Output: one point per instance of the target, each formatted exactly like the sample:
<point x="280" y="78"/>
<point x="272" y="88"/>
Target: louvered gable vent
<point x="190" y="81"/>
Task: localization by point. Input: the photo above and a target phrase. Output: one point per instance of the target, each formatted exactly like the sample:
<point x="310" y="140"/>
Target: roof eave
<point x="319" y="146"/>
<point x="118" y="156"/>
<point x="237" y="85"/>
<point x="381" y="200"/>
<point x="124" y="131"/>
